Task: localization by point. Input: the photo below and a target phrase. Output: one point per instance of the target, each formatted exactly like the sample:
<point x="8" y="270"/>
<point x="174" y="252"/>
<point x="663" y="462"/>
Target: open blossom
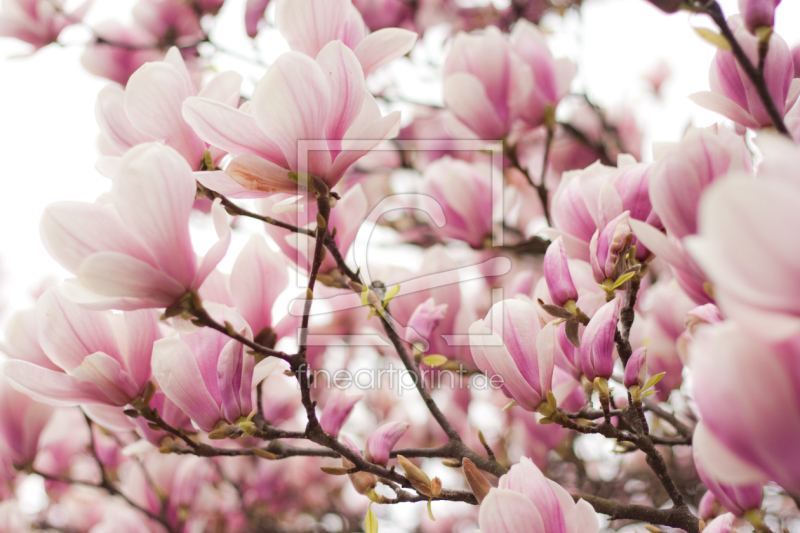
<point x="738" y="379"/>
<point x="299" y="99"/>
<point x="149" y="108"/>
<point x="210" y="376"/>
<point x="38" y="22"/>
<point x="464" y="192"/>
<point x="505" y="343"/>
<point x="136" y="253"/>
<point x="309" y="25"/>
<point x="732" y="93"/>
<point x="525" y="500"/>
<point x="103" y="357"/>
<point x="21" y="422"/>
<point x="486" y="84"/>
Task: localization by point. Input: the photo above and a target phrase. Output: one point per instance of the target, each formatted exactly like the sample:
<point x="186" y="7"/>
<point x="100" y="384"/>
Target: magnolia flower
<point x="38" y="22"/>
<point x="22" y="340"/>
<point x="309" y="25"/>
<point x="556" y="272"/>
<point x="382" y="440"/>
<point x="525" y="500"/>
<point x="254" y="12"/>
<point x="324" y="101"/>
<point x="636" y="369"/>
<point x="608" y="248"/>
<point x="380" y="14"/>
<point x="102" y="357"/>
<point x="738" y="499"/>
<point x="337" y="408"/>
<point x="758" y="13"/>
<point x="486" y="85"/>
<point x="21" y="422"/>
<point x="136" y="253"/>
<point x="732" y="93"/>
<point x="597" y="342"/>
<point x="425" y="318"/>
<point x="149" y="108"/>
<point x="506" y="344"/>
<point x="738" y="379"/>
<point x="210" y="376"/>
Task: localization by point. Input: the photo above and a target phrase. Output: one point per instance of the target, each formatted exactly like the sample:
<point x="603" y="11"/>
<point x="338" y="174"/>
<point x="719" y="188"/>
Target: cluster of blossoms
<point x="559" y="292"/>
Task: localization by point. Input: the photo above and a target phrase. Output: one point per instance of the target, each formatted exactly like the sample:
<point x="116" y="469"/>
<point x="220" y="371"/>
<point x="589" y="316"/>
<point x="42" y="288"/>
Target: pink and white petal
<point x="526" y="478"/>
<point x="109" y="376"/>
<point x="174" y="57"/>
<point x="362" y="143"/>
<point x="384" y="46"/>
<point x="109" y="111"/>
<point x="121" y="276"/>
<point x="108" y="166"/>
<point x="215" y="289"/>
<point x="229" y="380"/>
<point x="721" y="462"/>
<point x="219" y="181"/>
<point x="254" y="12"/>
<point x="68" y="333"/>
<point x="110" y="417"/>
<point x="308" y="25"/>
<point x="347" y="86"/>
<point x="659" y="244"/>
<point x="86" y="298"/>
<point x="263" y="369"/>
<point x="50" y="387"/>
<point x="291" y="104"/>
<point x="224" y="88"/>
<point x="154" y="193"/>
<point x="231" y="129"/>
<point x="725" y="107"/>
<point x="258" y="276"/>
<point x="465" y="97"/>
<point x="141" y="331"/>
<point x="153" y="100"/>
<point x="506" y="511"/>
<point x="587" y="518"/>
<point x="22" y="340"/>
<point x="260" y="176"/>
<point x="72" y="231"/>
<point x="575" y="247"/>
<point x="176" y="371"/>
<point x="351" y="213"/>
<point x="219" y="249"/>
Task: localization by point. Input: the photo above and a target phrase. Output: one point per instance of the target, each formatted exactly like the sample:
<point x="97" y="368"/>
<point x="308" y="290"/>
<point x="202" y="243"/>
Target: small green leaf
<point x="430" y="511"/>
<point x="622" y="279"/>
<point x="714" y="38"/>
<point x="434" y="360"/>
<point x="653" y="380"/>
<point x="370" y="521"/>
<point x="391" y="294"/>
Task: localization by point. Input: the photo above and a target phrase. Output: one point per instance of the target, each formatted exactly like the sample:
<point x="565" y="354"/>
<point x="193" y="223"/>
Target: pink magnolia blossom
<point x="298" y="99"/>
<point x="525" y="500"/>
<point x="21" y="422"/>
<point x="607" y="247"/>
<point x="382" y="440"/>
<point x="379" y="14"/>
<point x="149" y="108"/>
<point x="551" y="77"/>
<point x="732" y="93"/>
<point x="425" y="318"/>
<point x="253" y="14"/>
<point x="38" y="22"/>
<point x="464" y="192"/>
<point x="738" y="380"/>
<point x="22" y="340"/>
<point x="757" y="13"/>
<point x="738" y="499"/>
<point x="597" y="342"/>
<point x="486" y="84"/>
<point x="636" y="369"/>
<point x="104" y="358"/>
<point x="337" y="408"/>
<point x="136" y="253"/>
<point x="556" y="272"/>
<point x="210" y="376"/>
<point x="310" y="25"/>
<point x="506" y="343"/>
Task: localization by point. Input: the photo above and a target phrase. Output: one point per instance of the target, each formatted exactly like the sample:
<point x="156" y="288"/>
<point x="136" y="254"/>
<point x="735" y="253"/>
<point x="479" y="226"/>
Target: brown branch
<point x="677" y="517"/>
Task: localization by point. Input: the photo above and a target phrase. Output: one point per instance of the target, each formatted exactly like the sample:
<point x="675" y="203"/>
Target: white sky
<point x="48" y="133"/>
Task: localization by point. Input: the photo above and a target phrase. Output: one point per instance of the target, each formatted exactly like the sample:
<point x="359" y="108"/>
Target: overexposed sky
<point x="48" y="133"/>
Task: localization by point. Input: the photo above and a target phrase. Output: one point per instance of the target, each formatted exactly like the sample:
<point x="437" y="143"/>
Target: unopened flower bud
<point x="419" y="479"/>
<point x="424" y="320"/>
<point x="363" y="482"/>
<point x="636" y="369"/>
<point x="758" y="13"/>
<point x="382" y="440"/>
<point x="608" y="247"/>
<point x="597" y="343"/>
<point x="477" y="482"/>
<point x="336" y="410"/>
<point x="556" y="273"/>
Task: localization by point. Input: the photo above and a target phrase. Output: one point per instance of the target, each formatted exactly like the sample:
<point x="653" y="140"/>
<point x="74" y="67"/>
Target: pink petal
<point x="22" y="341"/>
<point x="384" y="46"/>
<point x="68" y="332"/>
<point x="176" y="371"/>
<point x="361" y="143"/>
<point x="254" y="12"/>
<point x="232" y="130"/>
<point x="47" y="386"/>
<point x="229" y="379"/>
<point x="105" y="373"/>
<point x="526" y="478"/>
<point x="291" y="104"/>
<point x="218" y="250"/>
<point x="153" y="100"/>
<point x="347" y="86"/>
<point x="259" y="275"/>
<point x="465" y="97"/>
<point x="259" y="176"/>
<point x="506" y="511"/>
<point x="72" y="231"/>
<point x="263" y="369"/>
<point x="725" y="107"/>
<point x="308" y="25"/>
<point x="114" y="124"/>
<point x="587" y="518"/>
<point x="224" y="88"/>
<point x="721" y="462"/>
<point x="154" y="193"/>
<point x="141" y="332"/>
